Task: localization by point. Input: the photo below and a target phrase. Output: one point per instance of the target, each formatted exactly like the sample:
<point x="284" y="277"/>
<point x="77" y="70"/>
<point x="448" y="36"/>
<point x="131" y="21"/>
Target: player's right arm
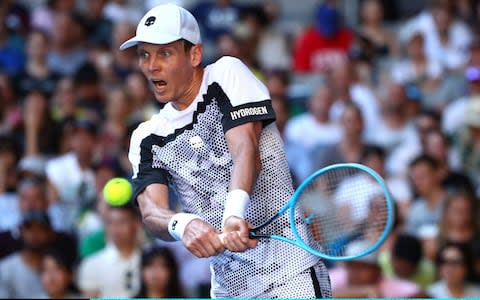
<point x="151" y="193"/>
<point x="199" y="237"/>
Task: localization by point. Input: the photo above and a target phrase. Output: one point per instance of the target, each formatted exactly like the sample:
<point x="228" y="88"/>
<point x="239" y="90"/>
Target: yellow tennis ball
<point x="117" y="191"/>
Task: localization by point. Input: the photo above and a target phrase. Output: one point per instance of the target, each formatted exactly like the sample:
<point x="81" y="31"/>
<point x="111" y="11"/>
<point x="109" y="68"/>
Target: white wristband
<point x="177" y="224"/>
<point x="236" y="204"/>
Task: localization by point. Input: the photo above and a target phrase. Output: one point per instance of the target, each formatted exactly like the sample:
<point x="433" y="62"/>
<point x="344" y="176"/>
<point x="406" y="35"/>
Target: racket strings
<point x="341" y="206"/>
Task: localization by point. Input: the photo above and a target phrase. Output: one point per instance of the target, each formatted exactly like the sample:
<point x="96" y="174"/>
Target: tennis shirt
<point x="188" y="149"/>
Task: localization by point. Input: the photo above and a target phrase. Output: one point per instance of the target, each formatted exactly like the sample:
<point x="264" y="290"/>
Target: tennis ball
<point x="117" y="191"/>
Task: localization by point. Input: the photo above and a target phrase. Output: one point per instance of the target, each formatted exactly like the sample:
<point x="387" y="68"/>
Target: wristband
<point x="177" y="224"/>
<point x="236" y="204"/>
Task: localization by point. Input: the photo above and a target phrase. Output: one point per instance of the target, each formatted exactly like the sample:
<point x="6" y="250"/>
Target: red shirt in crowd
<point x="316" y="53"/>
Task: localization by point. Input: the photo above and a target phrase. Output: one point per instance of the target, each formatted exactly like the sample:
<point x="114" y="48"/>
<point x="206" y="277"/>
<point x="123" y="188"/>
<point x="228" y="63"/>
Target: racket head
<point x="318" y="203"/>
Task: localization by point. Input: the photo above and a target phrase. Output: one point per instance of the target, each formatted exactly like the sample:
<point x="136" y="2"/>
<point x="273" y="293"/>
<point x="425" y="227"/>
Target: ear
<point x="196" y="54"/>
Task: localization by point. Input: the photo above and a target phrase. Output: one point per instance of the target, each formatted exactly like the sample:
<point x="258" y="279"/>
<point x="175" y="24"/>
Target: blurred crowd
<point x="402" y="97"/>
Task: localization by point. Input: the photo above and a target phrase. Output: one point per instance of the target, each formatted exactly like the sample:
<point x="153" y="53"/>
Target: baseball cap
<point x="164" y="24"/>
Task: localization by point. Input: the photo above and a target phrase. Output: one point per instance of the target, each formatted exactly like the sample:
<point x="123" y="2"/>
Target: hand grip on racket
<point x="336" y="205"/>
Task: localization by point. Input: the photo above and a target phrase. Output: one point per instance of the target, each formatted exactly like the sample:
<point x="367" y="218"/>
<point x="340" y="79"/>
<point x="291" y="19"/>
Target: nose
<point x="153" y="65"/>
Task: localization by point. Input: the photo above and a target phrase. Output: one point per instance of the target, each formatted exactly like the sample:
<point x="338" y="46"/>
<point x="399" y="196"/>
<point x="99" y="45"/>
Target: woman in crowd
<point x="455" y="271"/>
<point x="159" y="274"/>
<point x="57" y="275"/>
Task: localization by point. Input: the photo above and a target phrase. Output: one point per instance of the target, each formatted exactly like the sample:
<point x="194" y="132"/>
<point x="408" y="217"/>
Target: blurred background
<point x="392" y="84"/>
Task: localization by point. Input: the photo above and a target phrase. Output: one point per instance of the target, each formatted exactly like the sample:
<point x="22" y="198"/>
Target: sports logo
<point x="196" y="142"/>
<point x="150" y="21"/>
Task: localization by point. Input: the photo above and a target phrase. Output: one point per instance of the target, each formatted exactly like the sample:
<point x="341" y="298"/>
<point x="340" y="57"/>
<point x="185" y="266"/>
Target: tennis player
<point x="216" y="142"/>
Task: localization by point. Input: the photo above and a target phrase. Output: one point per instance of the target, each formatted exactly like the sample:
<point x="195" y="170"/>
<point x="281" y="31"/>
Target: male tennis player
<point x="215" y="140"/>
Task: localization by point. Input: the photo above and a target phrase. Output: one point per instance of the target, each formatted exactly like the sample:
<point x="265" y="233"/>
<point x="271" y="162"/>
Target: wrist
<point x="178" y="223"/>
<point x="236" y="204"/>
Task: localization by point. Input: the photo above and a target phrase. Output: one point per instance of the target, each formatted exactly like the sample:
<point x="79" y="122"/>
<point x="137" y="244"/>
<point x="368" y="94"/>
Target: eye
<point x="165" y="53"/>
<point x="142" y="54"/>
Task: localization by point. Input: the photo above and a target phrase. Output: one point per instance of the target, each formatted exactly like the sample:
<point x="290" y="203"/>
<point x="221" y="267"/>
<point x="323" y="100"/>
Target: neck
<point x="126" y="250"/>
<point x="156" y="294"/>
<point x="192" y="91"/>
<point x="321" y="118"/>
<point x="32" y="258"/>
<point x="434" y="196"/>
<point x="84" y="161"/>
<point x="456" y="289"/>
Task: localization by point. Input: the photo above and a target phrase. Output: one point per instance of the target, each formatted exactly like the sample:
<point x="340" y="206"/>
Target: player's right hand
<point x="201" y="239"/>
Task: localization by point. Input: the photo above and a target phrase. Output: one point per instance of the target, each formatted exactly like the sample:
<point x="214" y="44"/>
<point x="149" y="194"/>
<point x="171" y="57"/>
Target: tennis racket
<point x="335" y="206"/>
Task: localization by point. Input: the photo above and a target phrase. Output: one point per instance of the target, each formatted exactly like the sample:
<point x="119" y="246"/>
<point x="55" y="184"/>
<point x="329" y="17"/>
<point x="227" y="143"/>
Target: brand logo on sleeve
<point x="196" y="142"/>
<point x="250" y="111"/>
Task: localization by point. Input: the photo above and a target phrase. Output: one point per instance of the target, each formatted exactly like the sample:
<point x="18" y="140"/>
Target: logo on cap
<point x="150" y="21"/>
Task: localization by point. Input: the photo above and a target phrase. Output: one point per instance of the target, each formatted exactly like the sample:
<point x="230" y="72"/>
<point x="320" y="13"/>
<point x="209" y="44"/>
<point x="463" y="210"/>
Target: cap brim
<point x="158" y="41"/>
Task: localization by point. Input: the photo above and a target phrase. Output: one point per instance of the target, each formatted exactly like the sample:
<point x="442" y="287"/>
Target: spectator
<point x="406" y="261"/>
<point x="12" y="59"/>
<point x="64" y="105"/>
<point x="68" y="52"/>
<point x="437" y="145"/>
<point x="20" y="272"/>
<point x="115" y="270"/>
<point x="417" y="68"/>
<point x="8" y="161"/>
<point x="215" y="18"/>
<point x="362" y="278"/>
<point x="38" y="135"/>
<point x="10" y="110"/>
<point x="466" y="142"/>
<point x="350" y="147"/>
<point x="31" y="197"/>
<point x="459" y="223"/>
<point x="323" y="45"/>
<point x="159" y="274"/>
<point x="273" y="50"/>
<point x="347" y="88"/>
<point x="455" y="271"/>
<point x="309" y="129"/>
<point x="453" y="115"/>
<point x="124" y="62"/>
<point x="75" y="189"/>
<point x="114" y="128"/>
<point x="57" y="275"/>
<point x="122" y="10"/>
<point x="43" y="16"/>
<point x="98" y="27"/>
<point x="315" y="126"/>
<point x="36" y="74"/>
<point x="89" y="97"/>
<point x="426" y="180"/>
<point x="372" y="28"/>
<point x="446" y="38"/>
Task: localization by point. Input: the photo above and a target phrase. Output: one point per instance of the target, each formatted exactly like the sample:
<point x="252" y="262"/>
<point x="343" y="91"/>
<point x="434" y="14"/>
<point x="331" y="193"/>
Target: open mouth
<point x="159" y="83"/>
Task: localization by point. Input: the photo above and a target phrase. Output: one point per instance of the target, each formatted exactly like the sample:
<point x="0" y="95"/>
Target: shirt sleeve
<point x="146" y="170"/>
<point x="243" y="98"/>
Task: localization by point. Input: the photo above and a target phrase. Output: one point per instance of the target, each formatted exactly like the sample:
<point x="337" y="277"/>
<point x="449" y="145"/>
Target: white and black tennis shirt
<point x="188" y="149"/>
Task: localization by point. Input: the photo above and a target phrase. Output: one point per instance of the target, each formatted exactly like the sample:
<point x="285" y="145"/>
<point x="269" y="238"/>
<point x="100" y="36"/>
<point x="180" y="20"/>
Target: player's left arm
<point x="243" y="144"/>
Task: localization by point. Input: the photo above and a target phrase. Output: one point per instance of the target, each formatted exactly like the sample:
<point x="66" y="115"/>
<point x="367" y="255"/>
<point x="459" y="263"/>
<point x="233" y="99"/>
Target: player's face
<point x="169" y="69"/>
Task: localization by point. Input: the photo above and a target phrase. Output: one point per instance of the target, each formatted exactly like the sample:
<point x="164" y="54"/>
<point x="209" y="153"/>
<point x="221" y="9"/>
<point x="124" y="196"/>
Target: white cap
<point x="164" y="24"/>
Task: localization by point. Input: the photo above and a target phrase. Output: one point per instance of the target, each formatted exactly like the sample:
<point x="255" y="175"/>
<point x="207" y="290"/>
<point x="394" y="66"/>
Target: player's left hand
<point x="236" y="237"/>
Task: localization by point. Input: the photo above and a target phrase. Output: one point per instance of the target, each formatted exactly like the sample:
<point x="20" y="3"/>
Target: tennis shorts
<point x="313" y="282"/>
